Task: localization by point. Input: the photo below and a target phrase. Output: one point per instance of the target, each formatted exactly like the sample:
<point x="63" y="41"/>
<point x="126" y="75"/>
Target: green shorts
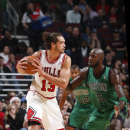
<point x="79" y="117"/>
<point x="100" y="120"/>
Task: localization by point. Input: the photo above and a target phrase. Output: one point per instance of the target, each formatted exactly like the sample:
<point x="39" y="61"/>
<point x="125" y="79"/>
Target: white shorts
<point x="45" y="111"/>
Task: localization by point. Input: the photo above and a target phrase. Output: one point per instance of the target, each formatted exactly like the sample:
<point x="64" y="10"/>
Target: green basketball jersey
<point x="82" y="96"/>
<point x="103" y="95"/>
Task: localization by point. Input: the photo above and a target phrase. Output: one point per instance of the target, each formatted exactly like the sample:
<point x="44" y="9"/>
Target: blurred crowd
<point x="85" y="25"/>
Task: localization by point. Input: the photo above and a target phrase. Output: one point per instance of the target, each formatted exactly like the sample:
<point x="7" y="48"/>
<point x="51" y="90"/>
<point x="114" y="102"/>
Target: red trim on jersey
<point x="42" y="95"/>
<point x="50" y="61"/>
<point x="63" y="59"/>
<point x="61" y="129"/>
<point x="40" y="55"/>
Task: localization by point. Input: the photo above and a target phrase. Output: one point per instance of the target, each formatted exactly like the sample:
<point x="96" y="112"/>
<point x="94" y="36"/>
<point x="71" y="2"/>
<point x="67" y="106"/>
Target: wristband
<point x="124" y="99"/>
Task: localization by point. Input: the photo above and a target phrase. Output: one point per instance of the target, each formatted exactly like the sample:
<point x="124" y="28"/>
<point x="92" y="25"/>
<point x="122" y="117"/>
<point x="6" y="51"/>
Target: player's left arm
<point x="116" y="81"/>
<point x="61" y="81"/>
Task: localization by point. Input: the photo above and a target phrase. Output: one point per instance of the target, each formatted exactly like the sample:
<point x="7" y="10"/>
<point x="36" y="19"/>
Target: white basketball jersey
<point x="40" y="84"/>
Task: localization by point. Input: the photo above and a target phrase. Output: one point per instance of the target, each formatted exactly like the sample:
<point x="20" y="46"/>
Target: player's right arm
<point x="77" y="81"/>
<point x="63" y="99"/>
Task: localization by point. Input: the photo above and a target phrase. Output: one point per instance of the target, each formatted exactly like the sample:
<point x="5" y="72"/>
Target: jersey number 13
<point x="52" y="86"/>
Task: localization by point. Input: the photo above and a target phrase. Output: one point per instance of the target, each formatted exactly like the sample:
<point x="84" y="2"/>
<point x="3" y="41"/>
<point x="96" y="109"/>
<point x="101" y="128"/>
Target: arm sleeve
<point x="41" y="14"/>
<point x="24" y="18"/>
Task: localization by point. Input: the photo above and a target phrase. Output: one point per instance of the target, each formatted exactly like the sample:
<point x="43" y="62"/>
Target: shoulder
<point x="113" y="76"/>
<point x="37" y="54"/>
<point x="66" y="60"/>
<point x="83" y="72"/>
<point x="25" y="14"/>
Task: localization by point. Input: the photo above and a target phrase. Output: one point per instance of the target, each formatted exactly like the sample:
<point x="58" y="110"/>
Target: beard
<point x="96" y="64"/>
<point x="59" y="51"/>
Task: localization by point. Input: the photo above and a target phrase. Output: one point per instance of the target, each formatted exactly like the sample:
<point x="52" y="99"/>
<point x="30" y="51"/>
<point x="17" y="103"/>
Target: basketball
<point x="30" y="67"/>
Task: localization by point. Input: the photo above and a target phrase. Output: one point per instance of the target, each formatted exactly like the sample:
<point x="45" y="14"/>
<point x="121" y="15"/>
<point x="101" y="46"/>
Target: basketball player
<point x="52" y="71"/>
<point x="83" y="107"/>
<point x="105" y="89"/>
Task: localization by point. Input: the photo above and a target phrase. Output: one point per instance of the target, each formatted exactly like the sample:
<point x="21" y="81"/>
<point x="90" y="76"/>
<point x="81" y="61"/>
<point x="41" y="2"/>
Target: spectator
<point x="82" y="5"/>
<point x="116" y="4"/>
<point x="126" y="92"/>
<point x="124" y="78"/>
<point x="2" y="29"/>
<point x="11" y="94"/>
<point x="85" y="49"/>
<point x="125" y="62"/>
<point x="55" y="14"/>
<point x="5" y="53"/>
<point x="27" y="18"/>
<point x="99" y="21"/>
<point x="30" y="51"/>
<point x="113" y="53"/>
<point x="112" y="17"/>
<point x="127" y="120"/>
<point x="9" y="41"/>
<point x="118" y="66"/>
<point x="5" y="15"/>
<point x="94" y="41"/>
<point x="41" y="5"/>
<point x="73" y="47"/>
<point x="12" y="118"/>
<point x="20" y="49"/>
<point x="89" y="15"/>
<point x="103" y="5"/>
<point x="50" y="3"/>
<point x="12" y="62"/>
<point x="108" y="60"/>
<point x="123" y="33"/>
<point x="4" y="69"/>
<point x="59" y="97"/>
<point x="68" y="31"/>
<point x="122" y="16"/>
<point x="24" y="105"/>
<point x="7" y="101"/>
<point x="73" y="16"/>
<point x="86" y="36"/>
<point x="1" y="128"/>
<point x="65" y="107"/>
<point x="17" y="102"/>
<point x="65" y="118"/>
<point x="118" y="44"/>
<point x="1" y="114"/>
<point x="65" y="7"/>
<point x="59" y="91"/>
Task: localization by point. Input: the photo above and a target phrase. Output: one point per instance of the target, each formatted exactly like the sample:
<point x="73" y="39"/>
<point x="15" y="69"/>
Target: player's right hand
<point x="21" y="65"/>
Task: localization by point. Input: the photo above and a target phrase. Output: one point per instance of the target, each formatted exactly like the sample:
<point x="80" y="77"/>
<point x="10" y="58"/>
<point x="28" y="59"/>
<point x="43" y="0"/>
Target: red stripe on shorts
<point x="42" y="95"/>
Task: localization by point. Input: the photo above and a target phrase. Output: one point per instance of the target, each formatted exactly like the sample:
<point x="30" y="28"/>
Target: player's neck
<point x="98" y="69"/>
<point x="52" y="55"/>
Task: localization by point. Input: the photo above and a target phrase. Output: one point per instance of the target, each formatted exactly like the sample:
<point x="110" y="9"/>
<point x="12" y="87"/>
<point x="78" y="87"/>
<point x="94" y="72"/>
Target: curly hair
<point x="49" y="38"/>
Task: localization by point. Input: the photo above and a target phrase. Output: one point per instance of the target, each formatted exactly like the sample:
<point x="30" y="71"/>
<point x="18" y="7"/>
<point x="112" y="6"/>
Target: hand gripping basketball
<point x="38" y="66"/>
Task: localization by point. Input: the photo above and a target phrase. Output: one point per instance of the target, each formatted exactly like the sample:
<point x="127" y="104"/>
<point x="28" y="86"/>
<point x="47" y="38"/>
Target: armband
<point x="124" y="99"/>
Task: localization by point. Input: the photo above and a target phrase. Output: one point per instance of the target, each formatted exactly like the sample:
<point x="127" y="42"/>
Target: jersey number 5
<point x="100" y="98"/>
<point x="51" y="89"/>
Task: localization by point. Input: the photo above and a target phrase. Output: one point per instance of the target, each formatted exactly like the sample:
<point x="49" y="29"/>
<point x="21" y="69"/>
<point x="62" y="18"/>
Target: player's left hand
<point x="38" y="66"/>
<point x="117" y="110"/>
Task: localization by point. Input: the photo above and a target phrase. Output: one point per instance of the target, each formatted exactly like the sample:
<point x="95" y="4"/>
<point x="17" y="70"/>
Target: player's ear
<point x="53" y="44"/>
<point x="101" y="59"/>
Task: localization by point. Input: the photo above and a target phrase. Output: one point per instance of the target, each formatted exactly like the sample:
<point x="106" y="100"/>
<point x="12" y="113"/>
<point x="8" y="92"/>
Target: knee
<point x="115" y="125"/>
